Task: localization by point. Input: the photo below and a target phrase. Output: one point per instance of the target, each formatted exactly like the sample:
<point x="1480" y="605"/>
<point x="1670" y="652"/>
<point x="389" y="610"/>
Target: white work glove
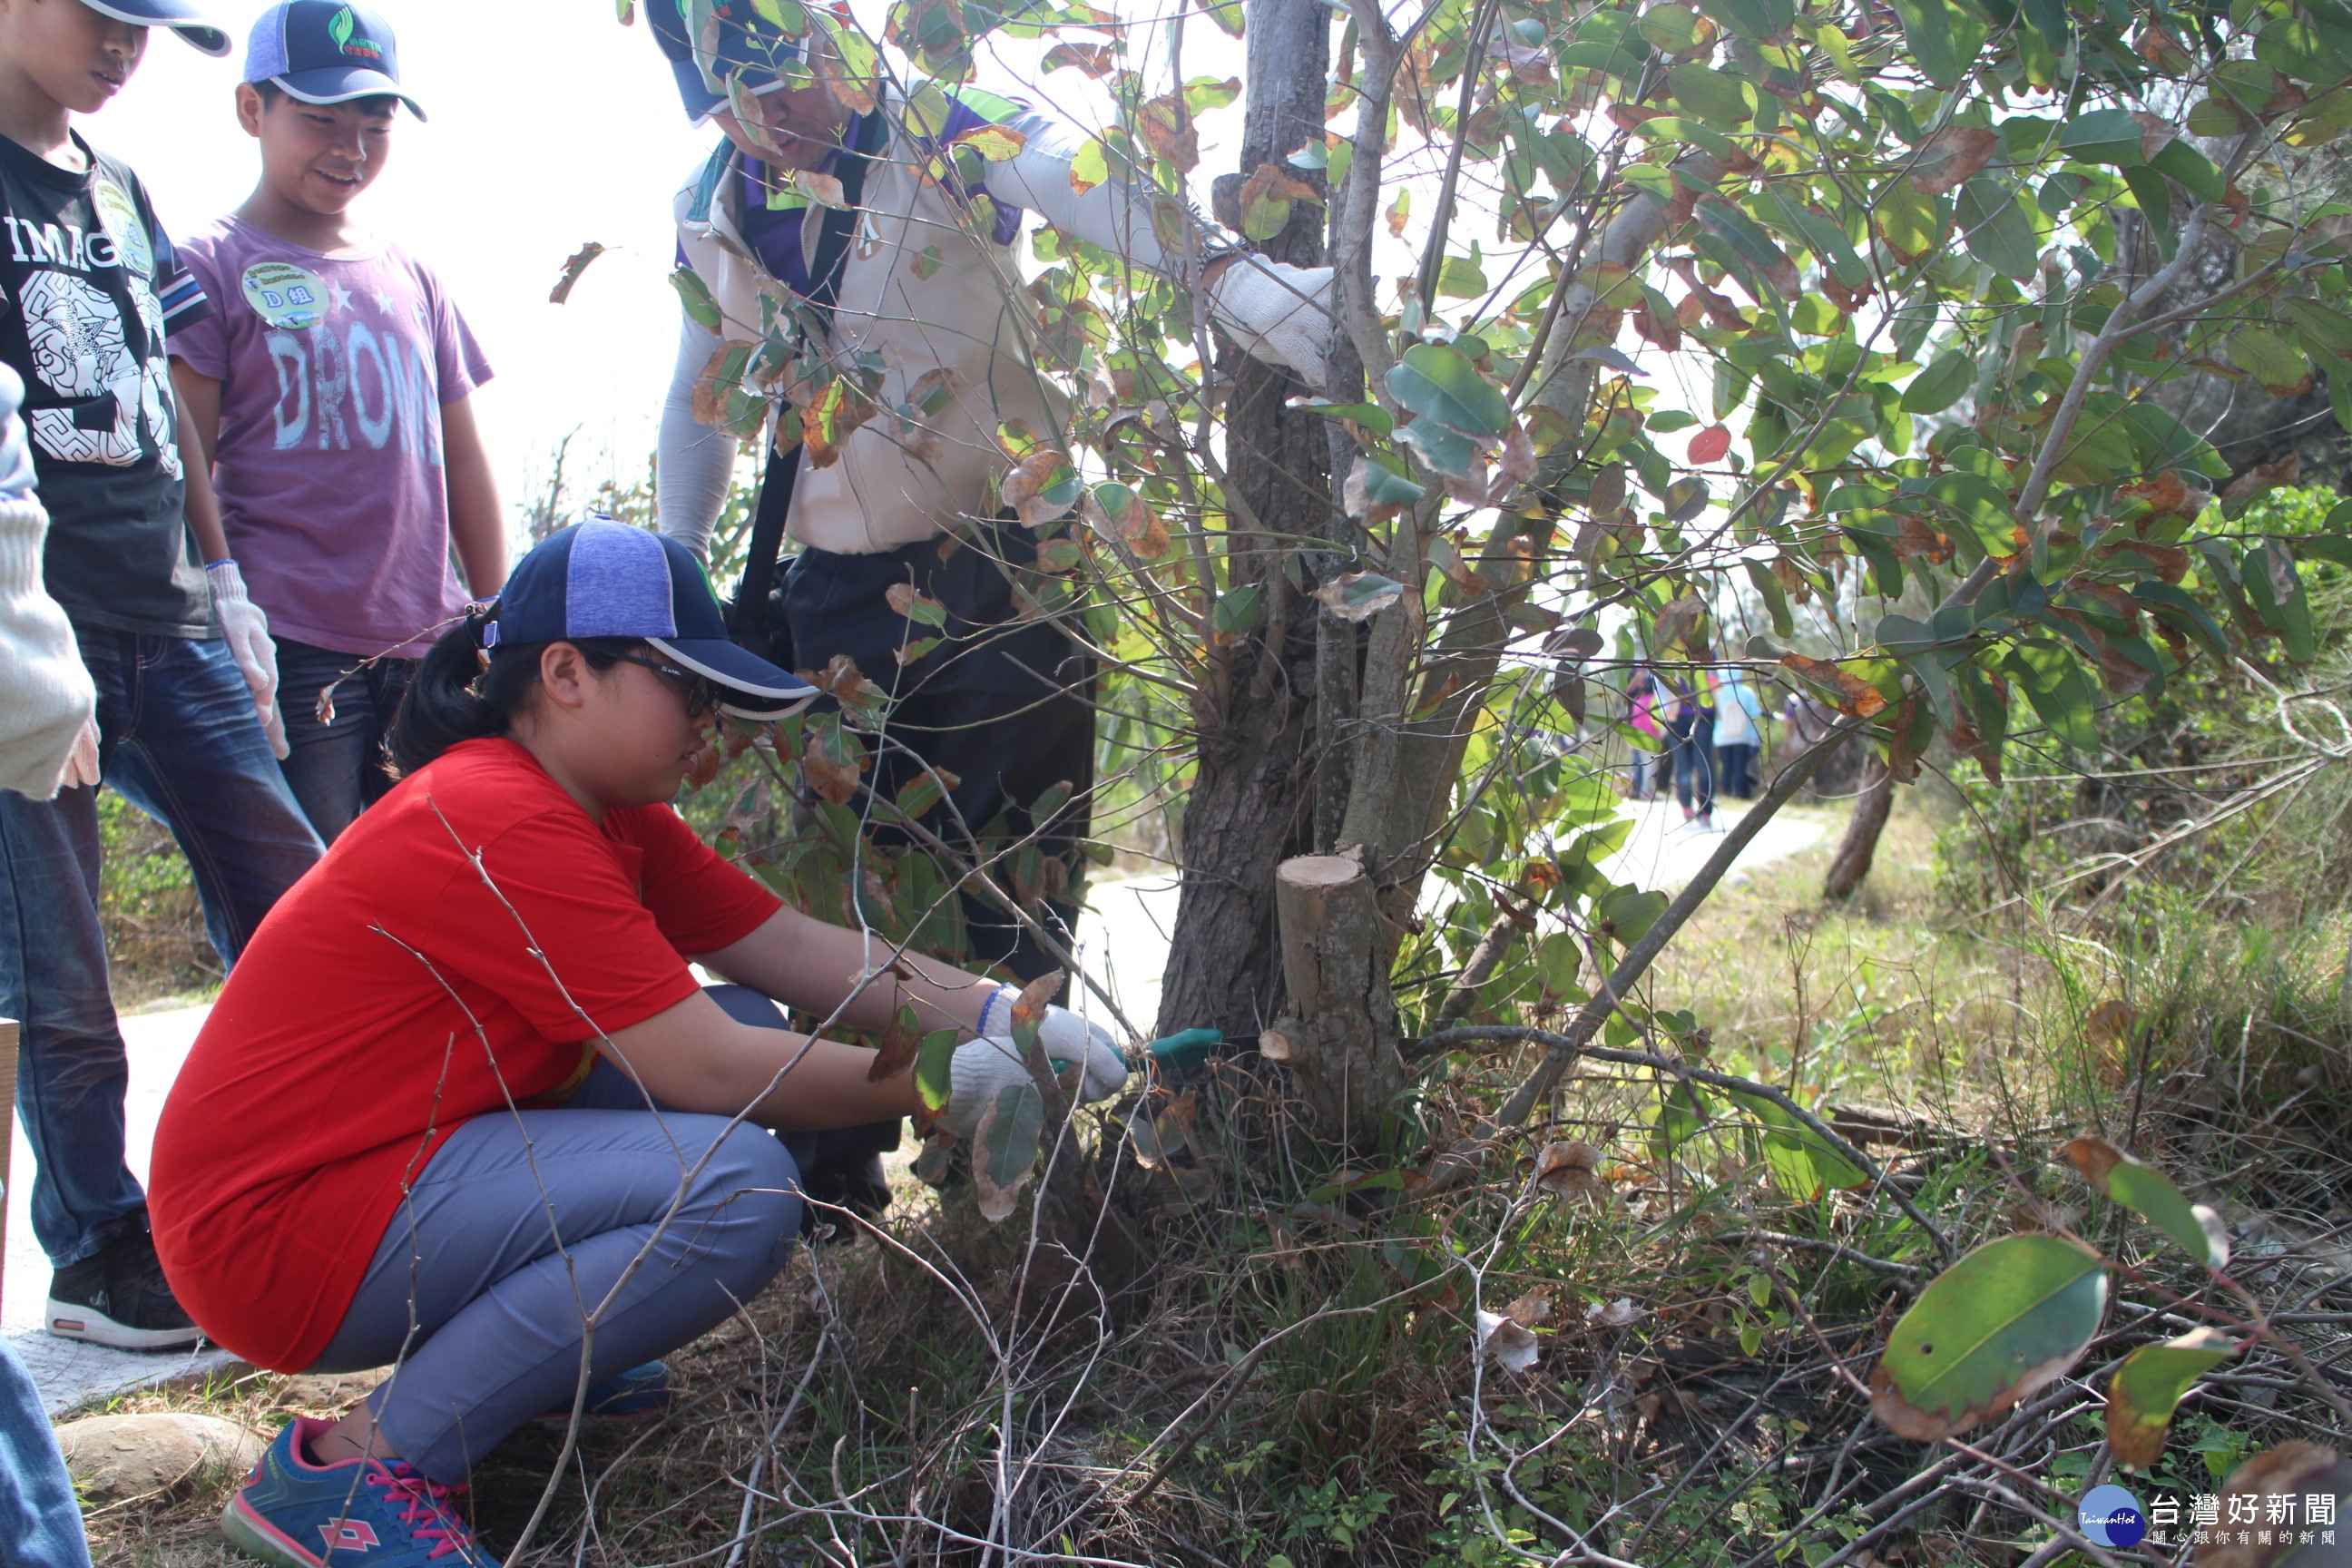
<point x="984" y="1068"/>
<point x="81" y="763"/>
<point x="1280" y="313"/>
<point x="1067" y="1038"/>
<point x="246" y="631"/>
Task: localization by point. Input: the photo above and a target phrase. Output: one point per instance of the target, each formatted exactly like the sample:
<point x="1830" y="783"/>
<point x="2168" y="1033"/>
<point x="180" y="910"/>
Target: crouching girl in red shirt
<point x="462" y="1094"/>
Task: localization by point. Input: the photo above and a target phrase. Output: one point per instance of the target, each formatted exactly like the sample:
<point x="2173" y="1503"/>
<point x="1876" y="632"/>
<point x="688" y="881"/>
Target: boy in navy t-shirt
<point x="181" y="659"/>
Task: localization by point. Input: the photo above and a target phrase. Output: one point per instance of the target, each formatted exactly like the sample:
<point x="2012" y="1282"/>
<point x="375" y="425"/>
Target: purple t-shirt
<point x="333" y="370"/>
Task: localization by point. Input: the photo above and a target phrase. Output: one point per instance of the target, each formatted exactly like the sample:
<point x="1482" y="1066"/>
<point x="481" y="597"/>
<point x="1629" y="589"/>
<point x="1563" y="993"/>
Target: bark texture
<point x="1249" y="805"/>
<point x="1851" y="865"/>
<point x="1341" y="1038"/>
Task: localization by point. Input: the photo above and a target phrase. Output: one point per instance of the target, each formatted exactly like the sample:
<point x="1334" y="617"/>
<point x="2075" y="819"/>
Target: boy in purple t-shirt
<point x="332" y="390"/>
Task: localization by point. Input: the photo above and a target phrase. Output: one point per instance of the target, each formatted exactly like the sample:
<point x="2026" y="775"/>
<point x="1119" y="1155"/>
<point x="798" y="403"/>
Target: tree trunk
<point x="1850" y="863"/>
<point x="1249" y="805"/>
<point x="1341" y="1038"/>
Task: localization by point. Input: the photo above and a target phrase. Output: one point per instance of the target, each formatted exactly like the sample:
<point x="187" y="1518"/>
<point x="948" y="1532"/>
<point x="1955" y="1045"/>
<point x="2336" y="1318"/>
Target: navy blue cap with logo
<point x="324" y="51"/>
<point x="605" y="579"/>
<point x="179" y="15"/>
<point x="743" y="47"/>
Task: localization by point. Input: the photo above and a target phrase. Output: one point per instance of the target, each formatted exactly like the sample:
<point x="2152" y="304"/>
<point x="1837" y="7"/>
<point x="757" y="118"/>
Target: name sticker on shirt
<point x="284" y="294"/>
<point x="118" y="215"/>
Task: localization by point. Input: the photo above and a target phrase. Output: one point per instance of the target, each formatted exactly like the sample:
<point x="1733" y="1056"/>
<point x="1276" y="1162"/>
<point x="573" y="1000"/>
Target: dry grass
<point x="1318" y="1340"/>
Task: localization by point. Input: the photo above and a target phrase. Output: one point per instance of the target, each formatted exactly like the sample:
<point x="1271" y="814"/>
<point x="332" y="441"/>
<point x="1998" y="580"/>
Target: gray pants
<point x="520" y="1224"/>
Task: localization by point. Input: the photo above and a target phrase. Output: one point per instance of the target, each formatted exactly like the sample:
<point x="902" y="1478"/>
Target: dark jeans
<point x="1005" y="706"/>
<point x="1694" y="737"/>
<point x="337" y="769"/>
<point x="179" y="740"/>
<point x="1737" y="763"/>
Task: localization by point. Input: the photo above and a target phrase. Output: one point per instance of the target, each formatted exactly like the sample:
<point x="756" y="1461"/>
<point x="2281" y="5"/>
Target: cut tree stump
<point x="1341" y="1032"/>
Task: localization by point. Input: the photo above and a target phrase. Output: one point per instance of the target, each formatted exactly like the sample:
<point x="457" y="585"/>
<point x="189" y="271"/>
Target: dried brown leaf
<point x="1856" y="697"/>
<point x="1950" y="156"/>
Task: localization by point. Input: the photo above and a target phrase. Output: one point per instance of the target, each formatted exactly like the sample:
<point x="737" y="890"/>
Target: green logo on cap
<point x="340" y="30"/>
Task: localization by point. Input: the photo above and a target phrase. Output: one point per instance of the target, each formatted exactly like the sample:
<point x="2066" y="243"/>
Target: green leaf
<point x="1683" y="1113"/>
<point x="1803" y="1164"/>
<point x="2149" y="1194"/>
<point x="1629" y="913"/>
<point x="2181" y="162"/>
<point x="1712" y="95"/>
<point x="1927" y="29"/>
<point x="1004" y="1148"/>
<point x="2271" y="360"/>
<point x="700" y="308"/>
<point x="1387" y="486"/>
<point x="932" y="1064"/>
<point x="1941" y="385"/>
<point x="921" y="793"/>
<point x="2007" y="1319"/>
<point x="2061" y="695"/>
<point x="1446" y="450"/>
<point x="1461" y="278"/>
<point x="1996" y="229"/>
<point x="2102" y="136"/>
<point x="1371" y="417"/>
<point x="1557" y="960"/>
<point x="2274" y="588"/>
<point x="2148" y="1388"/>
<point x="1437" y="381"/>
<point x="1236" y="611"/>
<point x="2181" y="610"/>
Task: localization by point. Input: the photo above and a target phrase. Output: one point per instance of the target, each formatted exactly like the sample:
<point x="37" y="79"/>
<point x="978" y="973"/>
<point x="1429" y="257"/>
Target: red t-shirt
<point x="338" y="1060"/>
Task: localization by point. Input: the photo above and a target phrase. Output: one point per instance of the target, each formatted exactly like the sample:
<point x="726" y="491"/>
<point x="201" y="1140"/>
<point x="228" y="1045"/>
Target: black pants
<point x="1736" y="765"/>
<point x="1006" y="708"/>
<point x="1694" y="738"/>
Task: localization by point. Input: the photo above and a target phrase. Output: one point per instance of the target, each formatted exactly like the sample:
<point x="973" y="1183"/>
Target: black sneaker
<point x="120" y="1297"/>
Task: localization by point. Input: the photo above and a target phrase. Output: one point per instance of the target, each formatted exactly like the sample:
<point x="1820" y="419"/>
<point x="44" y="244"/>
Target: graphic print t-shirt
<point x="333" y="370"/>
<point x="92" y="286"/>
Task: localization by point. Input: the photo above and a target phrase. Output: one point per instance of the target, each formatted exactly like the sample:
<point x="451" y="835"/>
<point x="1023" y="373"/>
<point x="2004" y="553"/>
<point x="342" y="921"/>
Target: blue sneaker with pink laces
<point x="361" y="1513"/>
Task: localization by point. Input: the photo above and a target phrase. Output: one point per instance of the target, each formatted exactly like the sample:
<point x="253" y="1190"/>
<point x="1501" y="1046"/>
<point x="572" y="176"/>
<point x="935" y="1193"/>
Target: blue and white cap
<point x="179" y="15"/>
<point x="324" y="51"/>
<point x="605" y="579"/>
<point x="745" y="47"/>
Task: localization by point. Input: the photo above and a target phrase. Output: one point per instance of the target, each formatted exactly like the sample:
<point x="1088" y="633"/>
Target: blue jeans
<point x="523" y="1220"/>
<point x="40" y="1522"/>
<point x="337" y="769"/>
<point x="178" y="739"/>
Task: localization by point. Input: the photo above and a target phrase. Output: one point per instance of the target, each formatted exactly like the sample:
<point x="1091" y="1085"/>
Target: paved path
<point x="1664" y="852"/>
<point x="1123" y="943"/>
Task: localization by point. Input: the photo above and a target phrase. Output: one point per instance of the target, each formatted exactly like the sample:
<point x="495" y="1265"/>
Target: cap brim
<point x="700" y="102"/>
<point x="342" y="84"/>
<point x="749" y="686"/>
<point x="181" y="18"/>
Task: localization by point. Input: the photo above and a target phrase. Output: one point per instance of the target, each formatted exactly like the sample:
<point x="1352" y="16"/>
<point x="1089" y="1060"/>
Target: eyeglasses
<point x="700" y="698"/>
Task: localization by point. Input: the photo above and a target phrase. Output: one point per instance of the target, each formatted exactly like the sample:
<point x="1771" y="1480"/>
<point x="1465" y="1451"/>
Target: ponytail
<point x="463" y="691"/>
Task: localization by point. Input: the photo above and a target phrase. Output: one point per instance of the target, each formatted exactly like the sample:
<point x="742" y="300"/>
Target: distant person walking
<point x="333" y="392"/>
<point x="1641" y="712"/>
<point x="1739" y="730"/>
<point x="1690" y="726"/>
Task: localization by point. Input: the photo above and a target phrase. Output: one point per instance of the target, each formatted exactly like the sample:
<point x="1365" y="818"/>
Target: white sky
<point x="551" y="125"/>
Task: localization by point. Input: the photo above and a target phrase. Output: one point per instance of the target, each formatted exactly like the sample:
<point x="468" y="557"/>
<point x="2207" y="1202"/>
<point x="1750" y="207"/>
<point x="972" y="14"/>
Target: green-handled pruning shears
<point x="1185" y="1048"/>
